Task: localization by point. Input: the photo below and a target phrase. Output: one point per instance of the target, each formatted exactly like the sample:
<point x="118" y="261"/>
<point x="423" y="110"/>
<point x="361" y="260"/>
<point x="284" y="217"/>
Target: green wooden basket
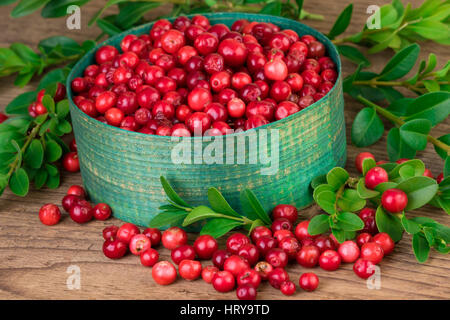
<point x="122" y="168"/>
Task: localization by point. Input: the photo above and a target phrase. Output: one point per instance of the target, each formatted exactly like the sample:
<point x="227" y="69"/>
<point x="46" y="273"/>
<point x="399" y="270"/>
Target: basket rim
<point x="235" y="16"/>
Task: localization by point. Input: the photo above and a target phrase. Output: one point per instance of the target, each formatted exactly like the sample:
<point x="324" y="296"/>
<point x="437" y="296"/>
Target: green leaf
<point x="319" y="180"/>
<point x="165" y="219"/>
<point x="19" y="182"/>
<point x="421" y="247"/>
<point x="417" y="164"/>
<point x="406" y="172"/>
<point x="389" y="223"/>
<point x="19" y="105"/>
<point x="63" y="45"/>
<point x="434" y="106"/>
<point x="53" y="181"/>
<point x="65" y="127"/>
<point x="401" y="63"/>
<point x="319" y="224"/>
<point x="62" y="109"/>
<point x="391" y="94"/>
<point x="106" y="6"/>
<point x="52" y="170"/>
<point x="273" y="8"/>
<point x="342" y="22"/>
<point x="350" y="201"/>
<point x="25" y="7"/>
<point x="256" y="223"/>
<point x="10" y="62"/>
<point x="382" y="187"/>
<point x="414" y="133"/>
<point x="219" y="204"/>
<point x="34" y="154"/>
<point x="399" y="107"/>
<point x="108" y="28"/>
<point x="431" y="85"/>
<point x="172" y="194"/>
<point x="25" y="53"/>
<point x="441" y="152"/>
<point x="53" y="151"/>
<point x="256" y="205"/>
<point x="7" y="137"/>
<point x="339" y="234"/>
<point x="447" y="167"/>
<point x="6" y="2"/>
<point x="219" y="227"/>
<point x="54" y="76"/>
<point x="433" y="30"/>
<point x="365" y="193"/>
<point x="327" y="201"/>
<point x="410" y="226"/>
<point x="130" y="13"/>
<point x="349" y="221"/>
<point x="397" y="148"/>
<point x="337" y="177"/>
<point x="321" y="188"/>
<point x="41" y="178"/>
<point x="420" y="190"/>
<point x="368" y="164"/>
<point x="353" y="54"/>
<point x="58" y="8"/>
<point x="200" y="213"/>
<point x="367" y="128"/>
<point x="48" y="103"/>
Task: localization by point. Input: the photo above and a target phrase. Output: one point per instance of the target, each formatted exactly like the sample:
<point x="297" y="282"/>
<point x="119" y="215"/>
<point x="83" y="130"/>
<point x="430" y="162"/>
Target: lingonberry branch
<point x="398" y="121"/>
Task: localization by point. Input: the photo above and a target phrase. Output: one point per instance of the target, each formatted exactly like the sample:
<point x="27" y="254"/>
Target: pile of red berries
<point x="247" y="261"/>
<point x="189" y="77"/>
<point x="79" y="209"/>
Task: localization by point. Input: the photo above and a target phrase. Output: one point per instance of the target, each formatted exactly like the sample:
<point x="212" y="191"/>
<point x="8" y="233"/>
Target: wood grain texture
<point x="34" y="258"/>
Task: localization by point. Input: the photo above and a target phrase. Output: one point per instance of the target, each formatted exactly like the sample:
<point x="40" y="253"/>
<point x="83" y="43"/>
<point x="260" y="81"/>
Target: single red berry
<point x="173" y="238"/>
<point x="264" y="269"/>
<point x="329" y="260"/>
<point x="139" y="243"/>
<point x="219" y="258"/>
<point x="285" y="211"/>
<point x="69" y="201"/>
<point x="81" y="212"/>
<point x="49" y="214"/>
<point x="363" y="238"/>
<point x="114" y="116"/>
<point x="281" y="234"/>
<point x="233" y="52"/>
<point x="301" y="231"/>
<point x="260" y="232"/>
<point x="183" y="252"/>
<point x="308" y="281"/>
<point x="287" y="288"/>
<point x="102" y="211"/>
<point x="375" y="176"/>
<point x="428" y="173"/>
<point x="360" y="158"/>
<point x="205" y="246"/>
<point x="394" y="200"/>
<point x="366" y="213"/>
<point x="373" y="252"/>
<point x="249" y="276"/>
<point x="324" y="243"/>
<point x="308" y="256"/>
<point x="291" y="246"/>
<point x="223" y="281"/>
<point x="349" y="251"/>
<point x="164" y="273"/>
<point x="250" y="253"/>
<point x="190" y="269"/>
<point x="281" y="224"/>
<point x="110" y="233"/>
<point x="440" y="178"/>
<point x="277" y="258"/>
<point x="364" y="268"/>
<point x="276" y="70"/>
<point x="235" y="264"/>
<point x="266" y="243"/>
<point x="208" y="273"/>
<point x="126" y="232"/>
<point x="385" y="241"/>
<point x="149" y="257"/>
<point x="71" y="162"/>
<point x="172" y="41"/>
<point x="236" y="241"/>
<point x="246" y="292"/>
<point x="277" y="277"/>
<point x="3" y="117"/>
<point x="114" y="249"/>
<point x="154" y="235"/>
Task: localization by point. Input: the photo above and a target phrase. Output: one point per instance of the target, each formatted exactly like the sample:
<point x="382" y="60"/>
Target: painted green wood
<point x="122" y="168"/>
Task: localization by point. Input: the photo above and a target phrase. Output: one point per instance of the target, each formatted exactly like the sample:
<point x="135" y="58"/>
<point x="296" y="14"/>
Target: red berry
<point x="366" y="213"/>
<point x="373" y="252"/>
<point x="308" y="281"/>
<point x="219" y="258"/>
<point x="114" y="249"/>
<point x="264" y="269"/>
<point x="394" y="200"/>
<point x="199" y="98"/>
<point x="287" y="288"/>
<point x="81" y="212"/>
<point x="277" y="258"/>
<point x="291" y="246"/>
<point x="236" y="241"/>
<point x="114" y="116"/>
<point x="208" y="273"/>
<point x="223" y="281"/>
<point x="3" y="117"/>
<point x="349" y="251"/>
<point x="364" y="268"/>
<point x="173" y="238"/>
<point x="198" y="123"/>
<point x="281" y="234"/>
<point x="260" y="232"/>
<point x="360" y="158"/>
<point x="375" y="176"/>
<point x="71" y="162"/>
<point x="266" y="243"/>
<point x="183" y="252"/>
<point x="277" y="277"/>
<point x="235" y="264"/>
<point x="276" y="70"/>
<point x="126" y="232"/>
<point x="301" y="231"/>
<point x="49" y="214"/>
<point x="385" y="241"/>
<point x="69" y="201"/>
<point x="110" y="233"/>
<point x="246" y="292"/>
<point x="285" y="211"/>
<point x="102" y="211"/>
<point x="308" y="256"/>
<point x="249" y="276"/>
<point x="139" y="243"/>
<point x="172" y="41"/>
<point x="329" y="260"/>
<point x="164" y="273"/>
<point x="427" y="173"/>
<point x="149" y="257"/>
<point x="250" y="253"/>
<point x="190" y="269"/>
<point x="281" y="224"/>
<point x="233" y="52"/>
<point x="440" y="178"/>
<point x="324" y="243"/>
<point x="206" y="43"/>
<point x="363" y="238"/>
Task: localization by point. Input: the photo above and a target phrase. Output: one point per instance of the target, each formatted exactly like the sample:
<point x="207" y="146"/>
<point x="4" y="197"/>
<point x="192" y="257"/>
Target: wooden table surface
<point x="34" y="259"/>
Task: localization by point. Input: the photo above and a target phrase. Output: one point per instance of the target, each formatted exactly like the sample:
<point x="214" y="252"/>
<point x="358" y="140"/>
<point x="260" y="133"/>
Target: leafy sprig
<point x="218" y="218"/>
<point x="340" y="195"/>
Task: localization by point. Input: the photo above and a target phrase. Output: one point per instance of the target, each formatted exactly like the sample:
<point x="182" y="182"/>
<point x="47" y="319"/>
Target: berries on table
<point x="183" y="252"/>
<point x="126" y="232"/>
<point x="394" y="200"/>
<point x="102" y="211"/>
<point x="235" y="264"/>
<point x="139" y="243"/>
<point x="308" y="256"/>
<point x="223" y="281"/>
<point x="364" y="268"/>
<point x="149" y="257"/>
<point x="385" y="241"/>
<point x="81" y="212"/>
<point x="249" y="276"/>
<point x="110" y="233"/>
<point x="287" y="288"/>
<point x="372" y="252"/>
<point x="114" y="249"/>
<point x="308" y="281"/>
<point x="71" y="162"/>
<point x="277" y="276"/>
<point x="174" y="237"/>
<point x="164" y="273"/>
<point x="49" y="214"/>
<point x="246" y="292"/>
<point x="190" y="269"/>
<point x="330" y="260"/>
<point x="205" y="246"/>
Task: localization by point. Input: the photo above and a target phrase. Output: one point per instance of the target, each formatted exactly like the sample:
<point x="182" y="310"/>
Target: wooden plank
<point x="34" y="258"/>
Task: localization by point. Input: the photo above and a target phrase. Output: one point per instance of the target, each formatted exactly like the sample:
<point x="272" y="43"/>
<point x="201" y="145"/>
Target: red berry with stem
<point x="249" y="276"/>
<point x="375" y="176"/>
<point x="149" y="257"/>
<point x="71" y="162"/>
<point x="223" y="281"/>
<point x="373" y="252"/>
<point x="208" y="273"/>
<point x="114" y="249"/>
<point x="364" y="268"/>
<point x="285" y="211"/>
<point x="164" y="273"/>
<point x="173" y="238"/>
<point x="126" y="232"/>
<point x="360" y="159"/>
<point x="190" y="269"/>
<point x="394" y="200"/>
<point x="102" y="211"/>
<point x="49" y="214"/>
<point x="349" y="251"/>
<point x="183" y="252"/>
<point x="330" y="260"/>
<point x="385" y="241"/>
<point x="139" y="243"/>
<point x="308" y="256"/>
<point x="154" y="235"/>
<point x="287" y="288"/>
<point x="110" y="233"/>
<point x="246" y="292"/>
<point x="277" y="277"/>
<point x="308" y="281"/>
